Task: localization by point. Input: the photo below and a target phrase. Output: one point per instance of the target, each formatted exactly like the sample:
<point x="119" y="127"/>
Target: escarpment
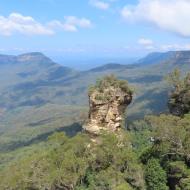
<point x="108" y="100"/>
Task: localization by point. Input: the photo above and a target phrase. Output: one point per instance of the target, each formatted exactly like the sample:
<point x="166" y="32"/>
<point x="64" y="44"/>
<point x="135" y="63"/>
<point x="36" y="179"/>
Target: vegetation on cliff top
<point x="110" y="81"/>
<point x="104" y="88"/>
<point x="179" y="102"/>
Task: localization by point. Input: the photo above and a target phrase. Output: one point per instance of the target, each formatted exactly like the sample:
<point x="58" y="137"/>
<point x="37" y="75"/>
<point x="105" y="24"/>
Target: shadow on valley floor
<point x="156" y="103"/>
<point x="143" y="79"/>
<point x="70" y="131"/>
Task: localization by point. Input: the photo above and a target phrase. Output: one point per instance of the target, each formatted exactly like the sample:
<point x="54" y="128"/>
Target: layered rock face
<point x="108" y="100"/>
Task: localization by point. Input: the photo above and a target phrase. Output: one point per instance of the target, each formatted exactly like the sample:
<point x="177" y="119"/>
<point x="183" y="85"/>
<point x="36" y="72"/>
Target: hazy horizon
<point x="99" y="28"/>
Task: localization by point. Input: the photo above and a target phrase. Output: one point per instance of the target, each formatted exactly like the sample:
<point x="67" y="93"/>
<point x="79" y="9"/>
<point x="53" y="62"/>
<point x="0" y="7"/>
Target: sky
<point x="77" y="28"/>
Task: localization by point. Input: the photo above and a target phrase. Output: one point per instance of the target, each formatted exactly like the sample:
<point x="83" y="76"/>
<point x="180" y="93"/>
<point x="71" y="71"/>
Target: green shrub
<point x="110" y="81"/>
<point x="156" y="178"/>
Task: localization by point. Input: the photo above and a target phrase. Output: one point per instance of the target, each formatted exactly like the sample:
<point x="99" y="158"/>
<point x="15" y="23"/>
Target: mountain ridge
<point x="153" y="58"/>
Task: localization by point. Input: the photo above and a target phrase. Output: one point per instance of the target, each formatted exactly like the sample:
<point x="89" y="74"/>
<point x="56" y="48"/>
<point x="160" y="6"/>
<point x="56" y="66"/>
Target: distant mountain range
<point x="23" y="77"/>
<point x="175" y="56"/>
<point x="38" y="95"/>
<point x="82" y="63"/>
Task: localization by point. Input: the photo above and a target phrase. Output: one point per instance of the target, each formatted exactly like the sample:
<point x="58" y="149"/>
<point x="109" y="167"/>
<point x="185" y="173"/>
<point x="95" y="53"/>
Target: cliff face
<point x="108" y="101"/>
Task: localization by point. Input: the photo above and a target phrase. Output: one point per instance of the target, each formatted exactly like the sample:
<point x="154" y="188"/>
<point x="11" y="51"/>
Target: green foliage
<point x="108" y="82"/>
<point x="171" y="136"/>
<point x="179" y="102"/>
<point x="174" y="79"/>
<point x="171" y="148"/>
<point x="185" y="184"/>
<point x="77" y="163"/>
<point x="177" y="170"/>
<point x="156" y="178"/>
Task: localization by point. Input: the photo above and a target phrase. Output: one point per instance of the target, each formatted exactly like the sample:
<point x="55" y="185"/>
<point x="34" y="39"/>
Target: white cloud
<point x="82" y="22"/>
<point x="145" y="42"/>
<point x="172" y="47"/>
<point x="71" y="24"/>
<point x="100" y="4"/>
<point x="56" y="24"/>
<point x="17" y="23"/>
<point x="151" y="46"/>
<point x="171" y="15"/>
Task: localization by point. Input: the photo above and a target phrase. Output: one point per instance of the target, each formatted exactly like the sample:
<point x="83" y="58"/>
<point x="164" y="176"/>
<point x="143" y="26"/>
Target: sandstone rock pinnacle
<point x="108" y="100"/>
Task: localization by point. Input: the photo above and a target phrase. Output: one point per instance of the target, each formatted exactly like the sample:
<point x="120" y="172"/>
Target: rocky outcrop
<point x="179" y="101"/>
<point x="108" y="100"/>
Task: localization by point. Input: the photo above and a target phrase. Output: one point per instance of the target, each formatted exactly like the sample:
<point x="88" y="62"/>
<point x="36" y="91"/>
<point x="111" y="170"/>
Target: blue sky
<point x="94" y="27"/>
